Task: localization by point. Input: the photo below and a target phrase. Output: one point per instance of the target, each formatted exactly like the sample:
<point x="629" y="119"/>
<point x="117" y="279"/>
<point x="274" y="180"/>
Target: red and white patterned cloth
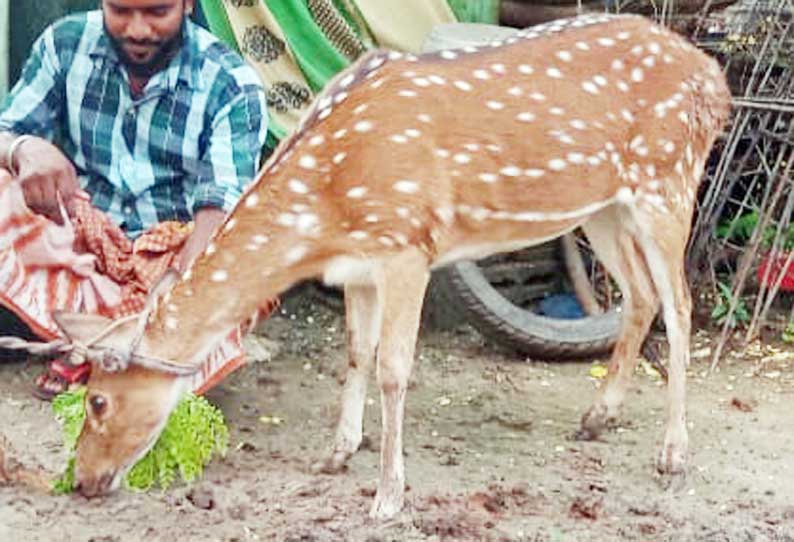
<point x="89" y="265"/>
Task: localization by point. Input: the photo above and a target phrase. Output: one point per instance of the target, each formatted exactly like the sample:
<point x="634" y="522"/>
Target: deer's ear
<point x="80" y="327"/>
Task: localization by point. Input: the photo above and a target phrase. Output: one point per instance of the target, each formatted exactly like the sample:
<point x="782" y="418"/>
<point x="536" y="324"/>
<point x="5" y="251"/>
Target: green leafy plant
<point x="788" y="333"/>
<point x="740" y="315"/>
<point x="740" y="230"/>
<point x="195" y="432"/>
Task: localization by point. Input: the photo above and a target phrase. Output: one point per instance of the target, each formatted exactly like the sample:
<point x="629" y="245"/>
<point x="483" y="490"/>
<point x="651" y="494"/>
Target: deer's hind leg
<point x="363" y="313"/>
<point x="402" y="287"/>
<point x="663" y="236"/>
<point x="616" y="248"/>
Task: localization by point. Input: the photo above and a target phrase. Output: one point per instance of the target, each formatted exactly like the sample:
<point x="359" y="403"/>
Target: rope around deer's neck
<point x="109" y="358"/>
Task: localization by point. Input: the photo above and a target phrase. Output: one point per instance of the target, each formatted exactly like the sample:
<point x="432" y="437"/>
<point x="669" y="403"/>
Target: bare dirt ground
<point x="489" y="454"/>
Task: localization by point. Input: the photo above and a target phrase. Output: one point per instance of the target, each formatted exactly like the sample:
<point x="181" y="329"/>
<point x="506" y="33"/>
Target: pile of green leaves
<point x="194" y="433"/>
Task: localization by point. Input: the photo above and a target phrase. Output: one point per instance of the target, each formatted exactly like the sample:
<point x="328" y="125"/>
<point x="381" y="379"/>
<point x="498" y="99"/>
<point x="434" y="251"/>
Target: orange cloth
<point x="89" y="265"/>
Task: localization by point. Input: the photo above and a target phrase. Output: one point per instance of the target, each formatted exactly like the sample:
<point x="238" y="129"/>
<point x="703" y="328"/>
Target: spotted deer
<point x="406" y="163"/>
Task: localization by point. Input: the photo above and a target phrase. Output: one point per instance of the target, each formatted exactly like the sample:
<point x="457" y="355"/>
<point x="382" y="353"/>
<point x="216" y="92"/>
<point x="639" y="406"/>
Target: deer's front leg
<point x="363" y="317"/>
<point x="403" y="288"/>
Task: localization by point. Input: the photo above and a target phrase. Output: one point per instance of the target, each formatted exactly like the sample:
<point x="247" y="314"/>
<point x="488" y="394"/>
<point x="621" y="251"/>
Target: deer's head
<point x="124" y="416"/>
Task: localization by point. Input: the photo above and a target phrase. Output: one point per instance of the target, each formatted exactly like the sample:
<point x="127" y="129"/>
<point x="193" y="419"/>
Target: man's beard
<point x="166" y="50"/>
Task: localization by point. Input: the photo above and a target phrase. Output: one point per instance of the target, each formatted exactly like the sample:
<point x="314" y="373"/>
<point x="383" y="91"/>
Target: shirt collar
<point x="184" y="67"/>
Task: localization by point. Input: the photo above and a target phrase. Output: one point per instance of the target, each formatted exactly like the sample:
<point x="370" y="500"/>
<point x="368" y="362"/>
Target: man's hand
<point x="206" y="221"/>
<point x="44" y="172"/>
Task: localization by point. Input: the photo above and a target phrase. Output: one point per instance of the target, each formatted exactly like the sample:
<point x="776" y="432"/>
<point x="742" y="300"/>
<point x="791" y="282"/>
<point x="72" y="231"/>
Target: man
<point x="144" y="111"/>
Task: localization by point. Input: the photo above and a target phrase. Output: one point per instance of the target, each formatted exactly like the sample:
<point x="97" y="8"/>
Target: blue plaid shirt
<point x="191" y="140"/>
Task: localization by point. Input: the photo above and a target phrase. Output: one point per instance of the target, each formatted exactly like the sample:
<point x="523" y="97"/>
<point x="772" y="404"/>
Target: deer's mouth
<point x="96" y="486"/>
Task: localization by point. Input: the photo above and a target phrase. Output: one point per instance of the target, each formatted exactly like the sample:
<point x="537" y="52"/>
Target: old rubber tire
<point x="464" y="285"/>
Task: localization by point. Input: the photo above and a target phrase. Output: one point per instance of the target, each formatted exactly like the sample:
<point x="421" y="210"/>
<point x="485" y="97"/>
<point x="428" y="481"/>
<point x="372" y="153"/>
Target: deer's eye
<point x="98" y="405"/>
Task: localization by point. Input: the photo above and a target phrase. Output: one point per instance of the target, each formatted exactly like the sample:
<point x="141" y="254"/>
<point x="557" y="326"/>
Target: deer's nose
<point x="92" y="486"/>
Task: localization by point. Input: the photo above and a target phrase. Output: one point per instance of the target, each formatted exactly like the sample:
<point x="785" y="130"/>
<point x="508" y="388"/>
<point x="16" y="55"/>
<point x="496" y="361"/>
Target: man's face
<point x="145" y="33"/>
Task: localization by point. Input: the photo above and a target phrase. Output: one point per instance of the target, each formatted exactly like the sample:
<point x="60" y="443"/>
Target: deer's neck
<point x="223" y="289"/>
<point x="258" y="253"/>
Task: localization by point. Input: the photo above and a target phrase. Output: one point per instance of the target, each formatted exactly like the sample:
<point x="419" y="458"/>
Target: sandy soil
<point x="489" y="454"/>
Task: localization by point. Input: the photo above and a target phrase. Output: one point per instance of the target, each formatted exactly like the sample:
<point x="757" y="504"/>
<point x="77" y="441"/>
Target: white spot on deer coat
<point x="510" y="171"/>
<point x="298" y="186"/>
<point x="295" y="254"/>
<point x="252" y="200"/>
<point x="338" y="157"/>
<point x="406" y="186"/>
<point x="306" y="222"/>
<point x="637" y="75"/>
<point x="307" y="161"/>
<point x="219" y="275"/>
<point x="526" y="116"/>
<point x="399" y="138"/>
<point x="357" y="192"/>
<point x="363" y="126"/>
<point x="496" y="106"/>
<point x="448" y="55"/>
<point x="590" y="87"/>
<point x="463" y="85"/>
<point x="554" y="73"/>
<point x="525" y="69"/>
<point x="481" y="74"/>
<point x="462" y="158"/>
<point x="407" y="93"/>
<point x="557" y="164"/>
<point x="316" y="140"/>
<point x="340" y="133"/>
<point x="347" y="79"/>
<point x="534" y="173"/>
<point x="565" y="56"/>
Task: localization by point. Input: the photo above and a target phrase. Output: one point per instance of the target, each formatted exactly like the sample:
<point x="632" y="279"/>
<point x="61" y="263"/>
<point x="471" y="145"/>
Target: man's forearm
<point x="205" y="223"/>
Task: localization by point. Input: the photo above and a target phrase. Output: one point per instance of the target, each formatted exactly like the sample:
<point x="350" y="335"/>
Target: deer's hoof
<point x="672" y="460"/>
<point x="594" y="422"/>
<point x="386" y="506"/>
<point x="333" y="464"/>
